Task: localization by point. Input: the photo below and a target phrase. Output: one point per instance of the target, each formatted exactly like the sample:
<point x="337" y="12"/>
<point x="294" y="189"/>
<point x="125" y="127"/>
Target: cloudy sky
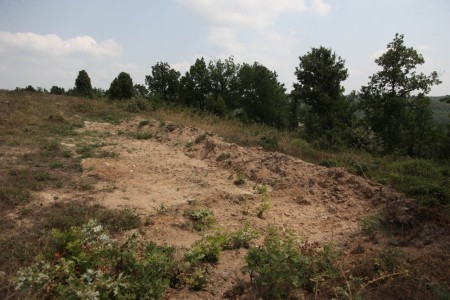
<point x="46" y="42"/>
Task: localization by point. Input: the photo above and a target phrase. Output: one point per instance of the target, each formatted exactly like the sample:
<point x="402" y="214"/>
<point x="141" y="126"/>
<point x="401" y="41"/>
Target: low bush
<point x="85" y="263"/>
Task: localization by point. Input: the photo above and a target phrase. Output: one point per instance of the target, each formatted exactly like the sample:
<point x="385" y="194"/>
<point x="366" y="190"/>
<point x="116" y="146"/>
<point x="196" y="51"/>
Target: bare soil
<point x="162" y="176"/>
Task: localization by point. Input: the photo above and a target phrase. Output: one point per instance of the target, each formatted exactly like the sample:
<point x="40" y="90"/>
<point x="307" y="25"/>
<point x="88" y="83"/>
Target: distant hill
<point x="441" y="110"/>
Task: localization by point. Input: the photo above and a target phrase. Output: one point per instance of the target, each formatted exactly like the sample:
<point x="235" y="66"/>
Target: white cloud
<point x="47" y="60"/>
<point x="251" y="13"/>
<point x="52" y="44"/>
<point x="248" y="30"/>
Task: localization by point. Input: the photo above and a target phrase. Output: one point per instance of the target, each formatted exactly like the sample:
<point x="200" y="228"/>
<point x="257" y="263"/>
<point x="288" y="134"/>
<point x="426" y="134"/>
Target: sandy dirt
<point x="160" y="176"/>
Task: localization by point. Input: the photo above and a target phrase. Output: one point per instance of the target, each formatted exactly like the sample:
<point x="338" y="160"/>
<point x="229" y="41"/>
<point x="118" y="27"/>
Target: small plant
<point x="266" y="203"/>
<point x="240" y="179"/>
<point x="370" y="226"/>
<point x="42" y="176"/>
<point x="143" y="123"/>
<point x="223" y="156"/>
<point x="162" y="209"/>
<point x="143" y="135"/>
<point x="387" y="260"/>
<point x="278" y="268"/>
<point x="240" y="238"/>
<point x="206" y="250"/>
<point x="189" y="144"/>
<point x="262" y="189"/>
<point x="201" y="218"/>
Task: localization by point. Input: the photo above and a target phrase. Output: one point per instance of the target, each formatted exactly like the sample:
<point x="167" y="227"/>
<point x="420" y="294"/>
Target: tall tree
<point x="262" y="96"/>
<point x="395" y="93"/>
<point x="196" y="85"/>
<point x="164" y="81"/>
<point x="121" y="87"/>
<point x="83" y="85"/>
<point x="319" y="89"/>
<point x="224" y="81"/>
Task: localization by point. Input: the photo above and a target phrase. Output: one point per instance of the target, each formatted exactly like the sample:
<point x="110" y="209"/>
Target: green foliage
<point x="83" y="85"/>
<point x="143" y="135"/>
<point x="393" y="101"/>
<point x="277" y="267"/>
<point x="202" y="218"/>
<point x="241" y="238"/>
<point x="121" y="87"/>
<point x="240" y="179"/>
<point x="422" y="179"/>
<point x="85" y="263"/>
<point x="387" y="260"/>
<point x="164" y="82"/>
<point x="370" y="226"/>
<point x="136" y="105"/>
<point x="269" y="142"/>
<point x="265" y="205"/>
<point x="262" y="96"/>
<point x="327" y="113"/>
<point x="195" y="85"/>
<point x="206" y="250"/>
<point x="57" y="90"/>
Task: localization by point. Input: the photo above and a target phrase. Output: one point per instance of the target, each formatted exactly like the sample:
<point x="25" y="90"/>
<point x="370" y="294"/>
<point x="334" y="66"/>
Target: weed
<point x="370" y="226"/>
<point x="56" y="165"/>
<point x="269" y="142"/>
<point x="67" y="154"/>
<point x="143" y="135"/>
<point x="14" y="196"/>
<point x="206" y="250"/>
<point x="125" y="219"/>
<point x="262" y="189"/>
<point x="223" y="156"/>
<point x="201" y="218"/>
<point x="196" y="279"/>
<point x="265" y="205"/>
<point x="189" y="144"/>
<point x="240" y="238"/>
<point x="143" y="123"/>
<point x="240" y="179"/>
<point x="277" y="267"/>
<point x="387" y="260"/>
<point x="42" y="176"/>
<point x="162" y="209"/>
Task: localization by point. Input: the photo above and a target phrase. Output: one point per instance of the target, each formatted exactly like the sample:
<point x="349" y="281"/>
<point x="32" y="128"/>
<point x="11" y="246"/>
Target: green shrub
<point x="206" y="250"/>
<point x="240" y="238"/>
<point x="202" y="218"/>
<point x="240" y="179"/>
<point x="143" y="135"/>
<point x="370" y="226"/>
<point x="86" y="264"/>
<point x="278" y="268"/>
<point x="269" y="143"/>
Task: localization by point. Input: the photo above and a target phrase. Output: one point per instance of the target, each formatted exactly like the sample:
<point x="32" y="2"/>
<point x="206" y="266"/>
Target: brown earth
<point x="160" y="176"/>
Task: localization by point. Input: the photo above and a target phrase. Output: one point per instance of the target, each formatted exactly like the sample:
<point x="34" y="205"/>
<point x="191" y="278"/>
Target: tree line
<point x="391" y="114"/>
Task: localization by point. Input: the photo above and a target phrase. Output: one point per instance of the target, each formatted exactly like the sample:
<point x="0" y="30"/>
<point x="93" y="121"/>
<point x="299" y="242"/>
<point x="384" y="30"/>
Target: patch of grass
<point x="202" y="218"/>
<point x="143" y="123"/>
<point x="14" y="196"/>
<point x="370" y="226"/>
<point x="143" y="135"/>
<point x="240" y="179"/>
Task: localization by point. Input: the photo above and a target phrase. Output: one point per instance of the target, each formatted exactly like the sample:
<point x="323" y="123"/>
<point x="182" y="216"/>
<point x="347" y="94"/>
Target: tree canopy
<point x="121" y="87"/>
<point x="319" y="90"/>
<point x="393" y="100"/>
<point x="83" y="85"/>
<point x="163" y="82"/>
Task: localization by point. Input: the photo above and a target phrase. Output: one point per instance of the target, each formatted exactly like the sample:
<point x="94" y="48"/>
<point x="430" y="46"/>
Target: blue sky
<point x="46" y="42"/>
